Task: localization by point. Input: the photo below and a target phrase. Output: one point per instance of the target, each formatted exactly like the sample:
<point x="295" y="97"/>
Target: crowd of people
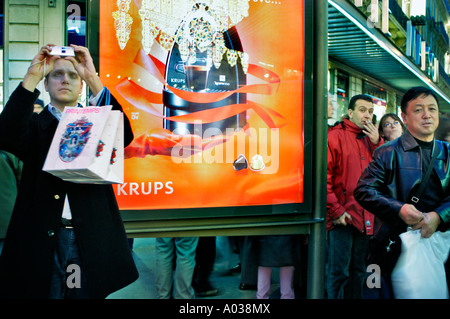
<point x="189" y="263"/>
<point x="52" y="223"/>
<point x="372" y="181"/>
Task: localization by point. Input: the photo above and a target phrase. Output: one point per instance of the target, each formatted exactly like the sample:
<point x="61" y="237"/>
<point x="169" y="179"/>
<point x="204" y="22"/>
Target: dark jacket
<point x="349" y="153"/>
<point x="26" y="260"/>
<point x="278" y="250"/>
<point x="10" y="170"/>
<point x="395" y="170"/>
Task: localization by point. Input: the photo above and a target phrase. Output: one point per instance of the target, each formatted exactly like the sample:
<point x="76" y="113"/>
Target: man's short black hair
<point x="365" y="97"/>
<point x="414" y="93"/>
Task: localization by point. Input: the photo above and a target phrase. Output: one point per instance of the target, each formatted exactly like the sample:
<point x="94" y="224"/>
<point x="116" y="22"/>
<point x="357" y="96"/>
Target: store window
<point x="379" y="98"/>
<point x="75" y="32"/>
<point x="398" y="101"/>
<point x="342" y="93"/>
<point x="76" y="22"/>
<point x="338" y="95"/>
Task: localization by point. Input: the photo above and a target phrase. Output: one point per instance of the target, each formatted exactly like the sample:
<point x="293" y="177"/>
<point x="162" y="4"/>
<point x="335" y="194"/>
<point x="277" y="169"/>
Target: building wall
<point x="29" y="24"/>
<point x="397" y="34"/>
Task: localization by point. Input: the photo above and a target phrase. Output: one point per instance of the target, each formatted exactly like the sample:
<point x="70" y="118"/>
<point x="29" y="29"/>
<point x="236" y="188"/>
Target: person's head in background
<point x="391" y="127"/>
<point x="443" y="131"/>
<point x="38" y="106"/>
<point x="332" y="106"/>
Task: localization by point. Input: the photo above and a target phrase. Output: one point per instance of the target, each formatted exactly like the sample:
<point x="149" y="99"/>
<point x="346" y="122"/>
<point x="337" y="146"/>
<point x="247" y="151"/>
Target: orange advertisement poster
<point x="214" y="93"/>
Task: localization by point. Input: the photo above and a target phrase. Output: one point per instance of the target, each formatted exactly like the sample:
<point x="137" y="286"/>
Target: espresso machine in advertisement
<point x="204" y="60"/>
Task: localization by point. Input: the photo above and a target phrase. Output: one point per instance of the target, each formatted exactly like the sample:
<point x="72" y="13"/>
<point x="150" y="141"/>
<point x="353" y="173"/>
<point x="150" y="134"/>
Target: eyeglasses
<point x="396" y="123"/>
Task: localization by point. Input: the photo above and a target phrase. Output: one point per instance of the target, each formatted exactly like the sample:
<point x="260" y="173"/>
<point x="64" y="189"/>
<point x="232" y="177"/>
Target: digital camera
<point x="62" y="51"/>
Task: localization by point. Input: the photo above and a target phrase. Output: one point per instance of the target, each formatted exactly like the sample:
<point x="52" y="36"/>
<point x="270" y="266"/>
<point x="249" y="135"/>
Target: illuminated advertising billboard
<point x="214" y="93"/>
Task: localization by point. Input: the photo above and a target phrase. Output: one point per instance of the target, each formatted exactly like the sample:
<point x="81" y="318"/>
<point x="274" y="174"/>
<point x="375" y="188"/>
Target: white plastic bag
<point x="419" y="272"/>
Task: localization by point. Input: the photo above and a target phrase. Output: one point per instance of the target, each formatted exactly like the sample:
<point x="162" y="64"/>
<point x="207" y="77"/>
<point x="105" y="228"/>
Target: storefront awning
<point x="352" y="42"/>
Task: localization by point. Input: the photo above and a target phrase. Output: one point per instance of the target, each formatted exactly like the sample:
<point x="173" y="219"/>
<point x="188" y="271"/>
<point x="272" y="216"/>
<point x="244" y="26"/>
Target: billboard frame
<point x="293" y="218"/>
<point x="297" y="218"/>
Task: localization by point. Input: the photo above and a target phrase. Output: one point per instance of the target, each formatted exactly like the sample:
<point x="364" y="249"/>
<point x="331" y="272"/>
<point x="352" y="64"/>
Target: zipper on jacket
<point x="364" y="222"/>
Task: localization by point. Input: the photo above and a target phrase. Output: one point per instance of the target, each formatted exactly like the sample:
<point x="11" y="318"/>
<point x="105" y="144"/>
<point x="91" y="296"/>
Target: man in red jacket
<point x="350" y="147"/>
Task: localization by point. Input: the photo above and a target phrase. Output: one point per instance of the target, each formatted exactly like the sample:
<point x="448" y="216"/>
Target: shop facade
<point x="381" y="48"/>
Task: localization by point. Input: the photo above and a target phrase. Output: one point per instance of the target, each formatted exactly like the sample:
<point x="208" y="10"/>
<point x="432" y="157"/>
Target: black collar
<point x="46" y="119"/>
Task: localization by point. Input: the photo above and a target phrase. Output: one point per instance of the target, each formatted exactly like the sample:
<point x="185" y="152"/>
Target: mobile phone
<point x="62" y="51"/>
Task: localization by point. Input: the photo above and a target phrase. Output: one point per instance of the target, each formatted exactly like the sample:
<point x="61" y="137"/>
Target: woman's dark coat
<point x="278" y="250"/>
<point x="26" y="260"/>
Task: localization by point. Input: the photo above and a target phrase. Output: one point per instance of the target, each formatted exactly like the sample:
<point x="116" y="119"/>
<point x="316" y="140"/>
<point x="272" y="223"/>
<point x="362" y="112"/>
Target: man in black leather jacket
<point x="397" y="169"/>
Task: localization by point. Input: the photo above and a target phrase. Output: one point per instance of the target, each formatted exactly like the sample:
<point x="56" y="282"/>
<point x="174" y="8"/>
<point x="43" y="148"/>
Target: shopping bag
<point x="420" y="271"/>
<point x="115" y="172"/>
<point x="116" y="163"/>
<point x="83" y="145"/>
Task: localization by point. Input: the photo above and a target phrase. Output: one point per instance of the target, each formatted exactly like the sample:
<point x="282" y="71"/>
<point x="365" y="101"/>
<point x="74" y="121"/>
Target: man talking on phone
<point x="65" y="240"/>
<point x="350" y="147"/>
